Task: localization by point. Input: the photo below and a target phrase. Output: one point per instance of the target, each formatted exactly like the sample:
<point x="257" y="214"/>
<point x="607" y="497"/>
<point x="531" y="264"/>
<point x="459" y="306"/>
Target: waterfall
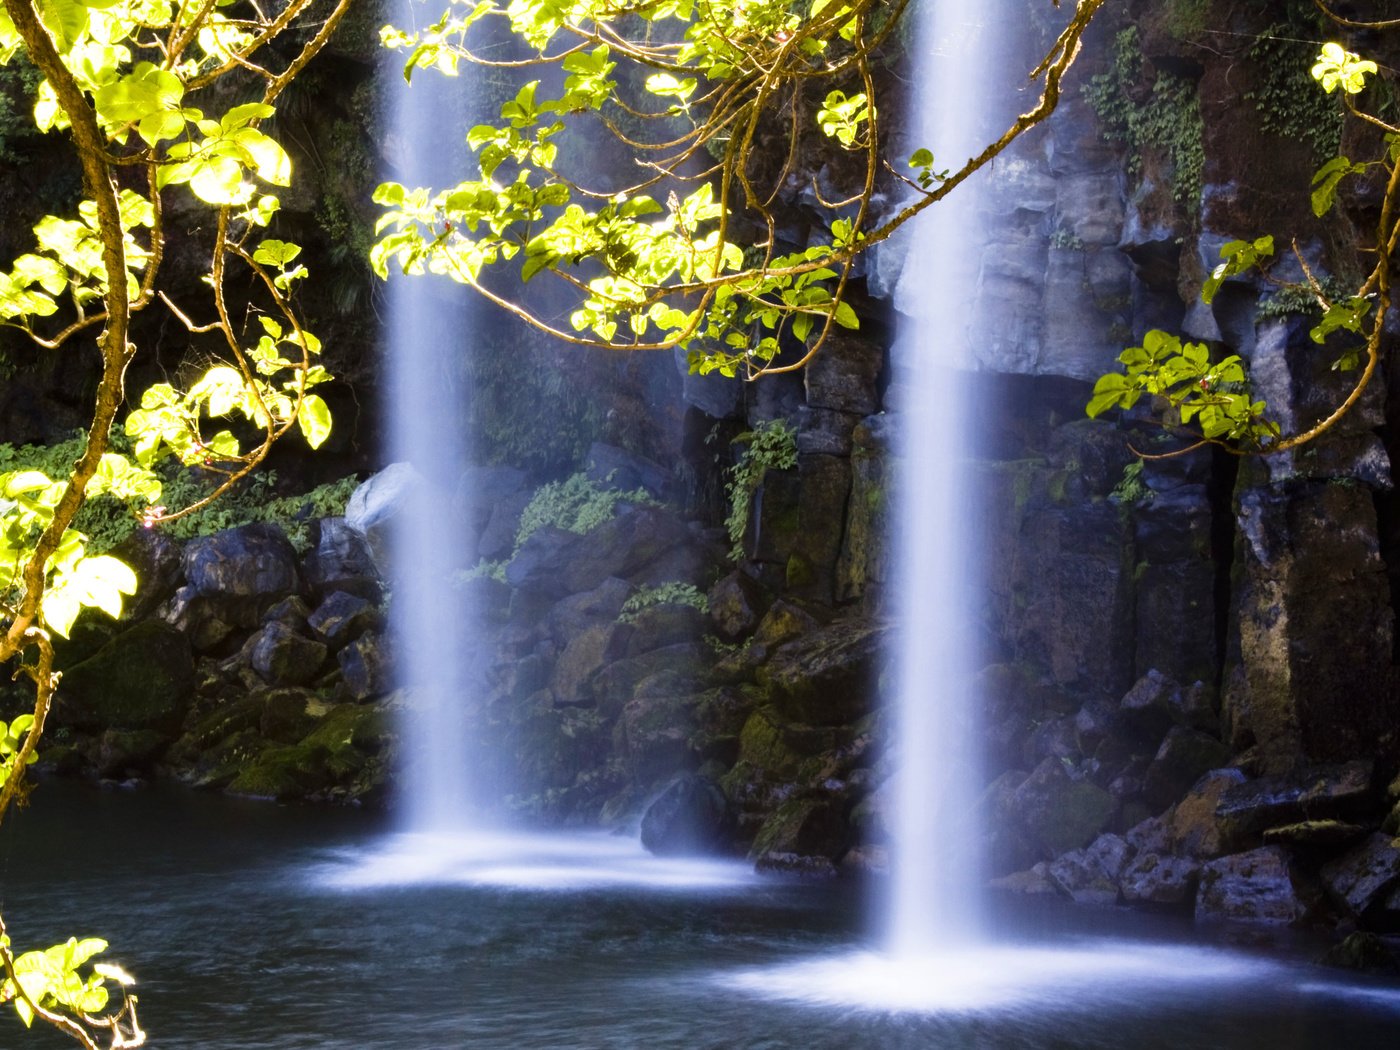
<point x="426" y="403"/>
<point x="933" y="898"/>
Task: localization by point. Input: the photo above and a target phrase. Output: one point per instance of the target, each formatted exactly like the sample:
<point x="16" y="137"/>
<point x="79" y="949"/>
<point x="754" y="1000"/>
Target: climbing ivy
<point x="770" y="445"/>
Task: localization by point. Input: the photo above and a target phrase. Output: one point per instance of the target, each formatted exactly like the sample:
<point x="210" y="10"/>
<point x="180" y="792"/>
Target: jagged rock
<point x="1153" y="835"/>
<point x="1196" y="830"/>
<point x="867" y="551"/>
<point x="124" y="753"/>
<point x="1151" y="878"/>
<point x="1090" y="875"/>
<point x="1364" y="875"/>
<point x="617" y="468"/>
<point x="341" y="618"/>
<point x="690" y="816"/>
<point x="1315" y="793"/>
<point x="1061" y="813"/>
<point x="587" y="653"/>
<point x="1184" y="757"/>
<point x="844" y="376"/>
<point x="867" y="860"/>
<point x="290" y="714"/>
<point x="284" y="657"/>
<point x="238" y="573"/>
<point x="736" y="603"/>
<point x="554" y="562"/>
<point x="782" y="623"/>
<point x="1361" y="951"/>
<point x="1149" y="706"/>
<point x="1258" y="887"/>
<point x="805" y="826"/>
<point x="142" y="679"/>
<point x="341" y="560"/>
<point x="497" y="539"/>
<point x="827" y="676"/>
<point x="1312" y="833"/>
<point x="292" y="612"/>
<point x="615" y="683"/>
<point x="655" y="727"/>
<point x="661" y="625"/>
<point x="825" y="432"/>
<point x="374" y="505"/>
<point x="578" y="612"/>
<point x="1054" y="738"/>
<point x="158" y="562"/>
<point x="366" y="665"/>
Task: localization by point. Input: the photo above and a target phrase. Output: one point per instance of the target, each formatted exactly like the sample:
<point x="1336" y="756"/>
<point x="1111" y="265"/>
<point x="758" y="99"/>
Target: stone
<point x="341" y="618"/>
<point x="366" y="666"/>
<point x="1196" y="831"/>
<point x="1059" y="812"/>
<point x="577" y="612"/>
<point x="341" y="560"/>
<point x="240" y="572"/>
<point x="158" y="562"/>
<point x="808" y="826"/>
<point x="668" y="623"/>
<point x="1254" y="887"/>
<point x="123" y="753"/>
<point x="284" y="657"/>
<point x="1310" y="834"/>
<point x="867" y="550"/>
<point x="1033" y="882"/>
<point x="496" y="541"/>
<point x="736" y="603"/>
<point x="691" y="816"/>
<point x="823" y="494"/>
<point x="1364" y="875"/>
<point x="827" y="676"/>
<point x="373" y="506"/>
<point x="142" y="679"/>
<point x="1148" y="708"/>
<point x="1361" y="951"/>
<point x="614" y="684"/>
<point x="845" y="375"/>
<point x="587" y="653"/>
<point x="799" y="865"/>
<point x="617" y="468"/>
<point x="480" y="490"/>
<point x="1153" y="835"/>
<point x="825" y="432"/>
<point x="1151" y="878"/>
<point x="1184" y="757"/>
<point x="1090" y="875"/>
<point x="1311" y="793"/>
<point x="655" y="727"/>
<point x="554" y="563"/>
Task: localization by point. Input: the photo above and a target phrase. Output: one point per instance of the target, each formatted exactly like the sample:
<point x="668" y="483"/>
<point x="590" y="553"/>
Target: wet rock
<point x="1059" y="812"/>
<point x="1185" y="755"/>
<point x="553" y="562"/>
<point x="844" y="376"/>
<point x="291" y="612"/>
<point x="736" y="603"/>
<point x="800" y="865"/>
<point x="1315" y="793"/>
<point x="867" y="551"/>
<point x="616" y="468"/>
<point x="1314" y="833"/>
<point x="1196" y="830"/>
<point x="1055" y="738"/>
<point x="366" y="666"/>
<point x="690" y="816"/>
<point x="284" y="657"/>
<point x="655" y="727"/>
<point x="585" y="655"/>
<point x="341" y="618"/>
<point x="1364" y="875"/>
<point x="142" y="679"/>
<point x="341" y="560"/>
<point x="239" y="573"/>
<point x="1151" y="878"/>
<point x="1033" y="882"/>
<point x="578" y="612"/>
<point x="828" y="676"/>
<point x="158" y="562"/>
<point x="615" y="683"/>
<point x="125" y="753"/>
<point x="1363" y="952"/>
<point x="1153" y="835"/>
<point x="658" y="626"/>
<point x="1148" y="706"/>
<point x="1255" y="887"/>
<point x="805" y="826"/>
<point x="1090" y="875"/>
<point x="373" y="506"/>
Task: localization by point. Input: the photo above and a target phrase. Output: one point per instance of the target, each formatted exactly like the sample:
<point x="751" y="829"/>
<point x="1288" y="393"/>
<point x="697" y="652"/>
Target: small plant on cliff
<point x="770" y="445"/>
<point x="576" y="504"/>
<point x="673" y="592"/>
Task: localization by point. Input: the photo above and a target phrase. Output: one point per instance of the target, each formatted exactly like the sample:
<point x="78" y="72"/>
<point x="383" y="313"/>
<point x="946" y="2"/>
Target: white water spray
<point x="427" y="405"/>
<point x="933" y="900"/>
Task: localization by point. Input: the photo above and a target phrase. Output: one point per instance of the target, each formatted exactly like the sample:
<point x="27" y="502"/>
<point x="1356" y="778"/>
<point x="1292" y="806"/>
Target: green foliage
<point x="770" y="445"/>
<point x="673" y="592"/>
<point x="1132" y="489"/>
<point x="1286" y="100"/>
<point x="60" y="979"/>
<point x="489" y="570"/>
<point x="1294" y="299"/>
<point x="1186" y="18"/>
<point x="576" y="504"/>
<point x="1169" y="120"/>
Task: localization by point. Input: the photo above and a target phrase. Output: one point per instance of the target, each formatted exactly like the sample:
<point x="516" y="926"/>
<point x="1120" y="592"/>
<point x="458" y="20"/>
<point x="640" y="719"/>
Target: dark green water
<point x="253" y="926"/>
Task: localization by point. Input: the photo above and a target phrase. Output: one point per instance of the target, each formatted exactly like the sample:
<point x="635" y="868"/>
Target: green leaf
<point x="275" y="253"/>
<point x="314" y="420"/>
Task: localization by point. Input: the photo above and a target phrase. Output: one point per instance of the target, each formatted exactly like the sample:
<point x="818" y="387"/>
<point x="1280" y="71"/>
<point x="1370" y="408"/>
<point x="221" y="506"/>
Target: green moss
<point x="674" y="592"/>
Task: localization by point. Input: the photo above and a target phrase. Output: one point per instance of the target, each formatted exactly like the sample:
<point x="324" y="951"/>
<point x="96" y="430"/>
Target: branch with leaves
<point x="696" y="93"/>
<point x="1210" y="401"/>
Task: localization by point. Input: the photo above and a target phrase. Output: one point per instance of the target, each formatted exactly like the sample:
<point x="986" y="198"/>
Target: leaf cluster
<point x="770" y="445"/>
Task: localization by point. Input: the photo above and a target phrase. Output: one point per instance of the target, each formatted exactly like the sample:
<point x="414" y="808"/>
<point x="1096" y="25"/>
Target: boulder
<point x="1184" y="757"/>
<point x="374" y="505"/>
<point x="614" y="684"/>
<point x="238" y="573"/>
<point x="1256" y="887"/>
<point x="554" y="562"/>
<point x="341" y="560"/>
<point x="655" y="727"/>
<point x="284" y="657"/>
<point x="1059" y="812"/>
<point x="586" y="654"/>
<point x="1361" y="951"/>
<point x="1313" y="793"/>
<point x="1151" y="878"/>
<point x="828" y="676"/>
<point x="736" y="602"/>
<point x="158" y="562"/>
<point x="366" y="665"/>
<point x="1364" y="875"/>
<point x="668" y="623"/>
<point x="807" y="826"/>
<point x="690" y="816"/>
<point x="341" y="618"/>
<point x="1196" y="831"/>
<point x="616" y="468"/>
<point x="1090" y="875"/>
<point x="576" y="613"/>
<point x="142" y="679"/>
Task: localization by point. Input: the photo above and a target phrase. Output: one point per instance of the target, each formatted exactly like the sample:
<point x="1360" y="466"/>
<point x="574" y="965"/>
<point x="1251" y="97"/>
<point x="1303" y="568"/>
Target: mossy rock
<point x="284" y="773"/>
<point x="141" y="679"/>
<point x="803" y="826"/>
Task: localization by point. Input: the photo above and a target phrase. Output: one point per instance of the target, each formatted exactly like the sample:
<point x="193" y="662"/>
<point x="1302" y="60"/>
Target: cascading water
<point x="426" y="406"/>
<point x="933" y="899"/>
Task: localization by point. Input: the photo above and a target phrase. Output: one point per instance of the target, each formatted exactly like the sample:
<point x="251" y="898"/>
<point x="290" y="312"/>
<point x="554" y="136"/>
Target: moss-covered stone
<point x="141" y="679"/>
